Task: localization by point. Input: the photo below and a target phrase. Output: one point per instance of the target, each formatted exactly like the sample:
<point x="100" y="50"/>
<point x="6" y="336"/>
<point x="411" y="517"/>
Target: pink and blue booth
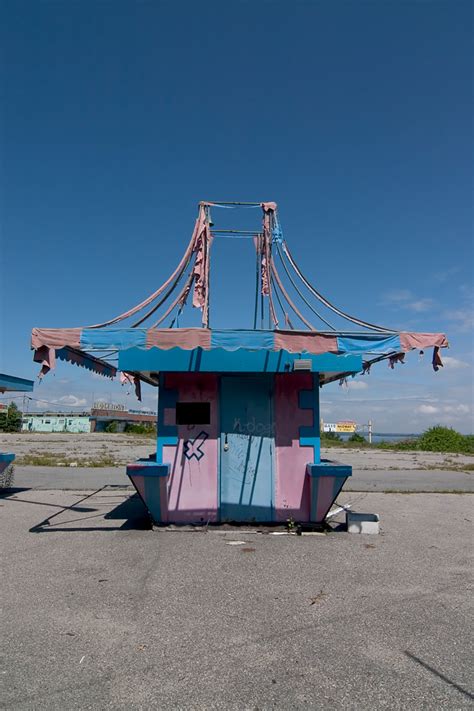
<point x="238" y="430"/>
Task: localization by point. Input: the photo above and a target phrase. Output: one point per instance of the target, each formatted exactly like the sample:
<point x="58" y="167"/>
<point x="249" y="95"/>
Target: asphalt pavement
<point x="361" y="480"/>
<point x="97" y="612"/>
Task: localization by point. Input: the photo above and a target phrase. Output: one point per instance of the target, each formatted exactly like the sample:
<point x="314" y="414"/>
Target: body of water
<point x="382" y="436"/>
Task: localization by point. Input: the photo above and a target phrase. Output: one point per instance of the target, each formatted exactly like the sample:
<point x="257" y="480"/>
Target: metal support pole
<point x="229" y="202"/>
<point x="370" y="431"/>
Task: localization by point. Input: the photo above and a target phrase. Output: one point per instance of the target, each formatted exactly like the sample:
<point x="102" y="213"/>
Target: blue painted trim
<point x="153" y="498"/>
<point x="219" y="360"/>
<point x="328" y="468"/>
<point x="167" y="435"/>
<point x="148" y="470"/>
<point x="6" y="457"/>
<point x="309" y="435"/>
<point x="234" y="340"/>
<point x="120" y="338"/>
<point x="10" y="383"/>
<point x="368" y="344"/>
<point x="219" y="445"/>
<point x="340" y="473"/>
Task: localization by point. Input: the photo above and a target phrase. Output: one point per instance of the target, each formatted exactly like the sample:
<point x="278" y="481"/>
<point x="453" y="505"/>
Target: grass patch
<point x="57" y="460"/>
<point x="421" y="491"/>
<point x="435" y="439"/>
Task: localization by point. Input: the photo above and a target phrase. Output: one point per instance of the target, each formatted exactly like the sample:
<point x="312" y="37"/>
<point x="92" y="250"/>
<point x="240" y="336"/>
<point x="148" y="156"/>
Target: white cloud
<point x="427" y="409"/>
<point x="454" y="363"/>
<point x="420" y="305"/>
<point x="72" y="400"/>
<point x="459" y="409"/>
<point x="357" y="385"/>
<point x="407" y="300"/>
<point x="448" y="273"/>
<point x="463" y="318"/>
<point x="467" y="290"/>
<point x="396" y="296"/>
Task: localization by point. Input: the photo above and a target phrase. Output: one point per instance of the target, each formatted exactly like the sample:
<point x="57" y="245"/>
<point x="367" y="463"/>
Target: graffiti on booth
<point x="192" y="447"/>
<point x="252" y="427"/>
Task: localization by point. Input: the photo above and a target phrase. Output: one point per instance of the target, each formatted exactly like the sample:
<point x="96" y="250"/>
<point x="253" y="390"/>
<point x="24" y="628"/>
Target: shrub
<point x="10" y="419"/>
<point x="331" y="437"/>
<point x="469" y="444"/>
<point x="356" y="437"/>
<point x="442" y="439"/>
<point x="111" y="427"/>
<point x="405" y="444"/>
<point x="140" y="428"/>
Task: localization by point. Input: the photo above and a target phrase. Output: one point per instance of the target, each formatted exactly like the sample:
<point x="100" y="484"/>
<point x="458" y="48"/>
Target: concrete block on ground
<point x="362" y="522"/>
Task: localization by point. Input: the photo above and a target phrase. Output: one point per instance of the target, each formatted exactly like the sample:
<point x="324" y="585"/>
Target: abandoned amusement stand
<point x="8" y="384"/>
<point x="238" y="410"/>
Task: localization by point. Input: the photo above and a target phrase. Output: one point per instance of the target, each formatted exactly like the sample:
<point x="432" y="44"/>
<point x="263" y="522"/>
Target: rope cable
<point x="182" y="294"/>
<point x="287" y="298"/>
<point x="165" y="297"/>
<point x="285" y="314"/>
<point x="308" y="304"/>
<point x="155" y="294"/>
<point x="327" y="303"/>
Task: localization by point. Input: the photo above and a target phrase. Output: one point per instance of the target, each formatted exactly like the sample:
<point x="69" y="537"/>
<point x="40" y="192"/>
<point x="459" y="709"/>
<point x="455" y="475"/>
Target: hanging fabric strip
<point x="264" y="275"/>
<point x="201" y="265"/>
<point x="205" y="313"/>
<point x="268" y="217"/>
<point x="199" y="262"/>
<point x="436" y="362"/>
<point x="47" y="357"/>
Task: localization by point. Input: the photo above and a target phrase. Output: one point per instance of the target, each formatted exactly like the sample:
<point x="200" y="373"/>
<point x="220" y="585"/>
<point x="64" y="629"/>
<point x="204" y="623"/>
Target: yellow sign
<point x="345" y="426"/>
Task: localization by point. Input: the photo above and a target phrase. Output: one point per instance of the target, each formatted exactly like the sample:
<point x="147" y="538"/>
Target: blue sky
<point x="354" y="116"/>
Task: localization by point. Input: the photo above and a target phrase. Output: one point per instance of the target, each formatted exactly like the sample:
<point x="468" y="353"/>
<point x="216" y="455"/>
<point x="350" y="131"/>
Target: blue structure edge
<point x="329" y="468"/>
<point x="143" y="467"/>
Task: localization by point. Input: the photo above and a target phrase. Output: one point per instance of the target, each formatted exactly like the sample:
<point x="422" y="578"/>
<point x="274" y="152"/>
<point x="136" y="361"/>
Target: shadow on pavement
<point x="439" y="675"/>
<point x="102" y="506"/>
<point x="12" y="491"/>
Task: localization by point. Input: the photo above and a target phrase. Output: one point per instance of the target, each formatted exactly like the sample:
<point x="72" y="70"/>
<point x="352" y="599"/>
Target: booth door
<point x="246" y="449"/>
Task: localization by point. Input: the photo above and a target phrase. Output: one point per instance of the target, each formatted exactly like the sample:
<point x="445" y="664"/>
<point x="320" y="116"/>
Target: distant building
<point x="103" y="414"/>
<point x="94" y="421"/>
<point x="56" y="422"/>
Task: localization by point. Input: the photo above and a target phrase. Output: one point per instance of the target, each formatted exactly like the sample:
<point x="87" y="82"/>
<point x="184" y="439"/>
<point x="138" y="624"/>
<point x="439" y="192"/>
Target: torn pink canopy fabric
<point x="201" y="263"/>
<point x="305" y="342"/>
<point x="47" y="357"/>
<point x="185" y="338"/>
<point x="264" y="270"/>
<point x="408" y="341"/>
<point x="134" y="380"/>
<point x="56" y="337"/>
<point x="269" y="206"/>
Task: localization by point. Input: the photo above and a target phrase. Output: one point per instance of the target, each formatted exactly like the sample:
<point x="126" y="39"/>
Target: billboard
<point x="342" y="426"/>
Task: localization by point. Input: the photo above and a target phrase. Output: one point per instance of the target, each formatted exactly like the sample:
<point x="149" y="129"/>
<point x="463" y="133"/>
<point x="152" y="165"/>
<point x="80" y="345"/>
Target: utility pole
<point x="370" y="431"/>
